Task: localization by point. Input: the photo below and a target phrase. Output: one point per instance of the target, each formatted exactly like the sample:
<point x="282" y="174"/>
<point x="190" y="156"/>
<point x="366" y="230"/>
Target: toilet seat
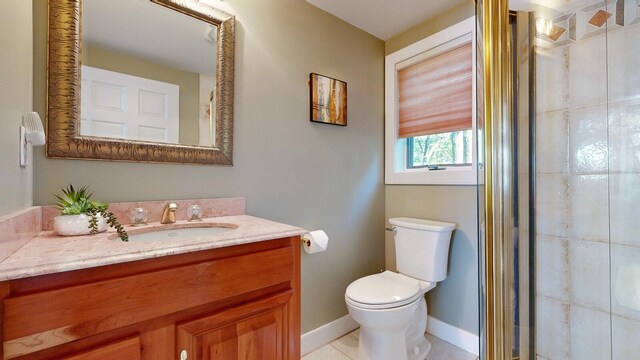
<point x="383" y="291"/>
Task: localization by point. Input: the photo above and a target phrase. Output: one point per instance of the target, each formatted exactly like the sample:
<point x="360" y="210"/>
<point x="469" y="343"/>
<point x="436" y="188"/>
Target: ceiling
<point x="385" y="18"/>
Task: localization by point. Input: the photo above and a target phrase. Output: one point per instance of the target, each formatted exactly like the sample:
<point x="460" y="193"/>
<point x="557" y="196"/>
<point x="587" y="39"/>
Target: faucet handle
<point x="169" y="213"/>
<point x="138" y="216"/>
<point x="194" y="213"/>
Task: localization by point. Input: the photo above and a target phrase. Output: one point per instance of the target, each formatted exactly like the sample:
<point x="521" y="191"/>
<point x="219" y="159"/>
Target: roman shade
<point x="435" y="95"/>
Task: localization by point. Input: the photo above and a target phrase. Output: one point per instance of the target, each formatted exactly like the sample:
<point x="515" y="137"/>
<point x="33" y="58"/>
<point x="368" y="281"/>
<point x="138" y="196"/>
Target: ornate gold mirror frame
<point x="63" y="93"/>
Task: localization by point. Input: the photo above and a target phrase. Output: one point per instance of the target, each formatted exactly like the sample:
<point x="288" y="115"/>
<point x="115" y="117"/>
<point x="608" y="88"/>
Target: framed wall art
<point x="328" y="100"/>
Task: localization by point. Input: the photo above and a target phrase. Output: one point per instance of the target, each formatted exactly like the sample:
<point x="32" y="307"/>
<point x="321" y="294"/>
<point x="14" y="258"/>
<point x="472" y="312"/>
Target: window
<point x="439" y="150"/>
<point x="430" y="110"/>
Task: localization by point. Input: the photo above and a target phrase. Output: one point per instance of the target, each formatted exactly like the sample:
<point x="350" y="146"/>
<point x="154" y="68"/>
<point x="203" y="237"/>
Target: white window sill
<point x="464" y="175"/>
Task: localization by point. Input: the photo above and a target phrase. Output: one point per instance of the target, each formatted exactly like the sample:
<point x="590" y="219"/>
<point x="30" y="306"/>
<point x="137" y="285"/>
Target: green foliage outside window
<point x="450" y="149"/>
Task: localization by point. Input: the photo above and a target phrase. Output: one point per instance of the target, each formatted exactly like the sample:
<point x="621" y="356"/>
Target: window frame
<point x="396" y="170"/>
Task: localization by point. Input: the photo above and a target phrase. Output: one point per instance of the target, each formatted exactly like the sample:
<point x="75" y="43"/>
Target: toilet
<point x="390" y="307"/>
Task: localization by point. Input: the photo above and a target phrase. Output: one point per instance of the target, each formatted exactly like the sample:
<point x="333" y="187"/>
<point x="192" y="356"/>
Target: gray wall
<point x="455" y="300"/>
<point x="311" y="175"/>
<point x="16" y="56"/>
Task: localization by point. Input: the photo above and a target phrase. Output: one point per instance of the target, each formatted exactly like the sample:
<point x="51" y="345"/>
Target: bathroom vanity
<point x="227" y="296"/>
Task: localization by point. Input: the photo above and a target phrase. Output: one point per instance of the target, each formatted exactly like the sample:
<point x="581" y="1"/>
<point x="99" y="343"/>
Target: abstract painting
<point x="328" y="100"/>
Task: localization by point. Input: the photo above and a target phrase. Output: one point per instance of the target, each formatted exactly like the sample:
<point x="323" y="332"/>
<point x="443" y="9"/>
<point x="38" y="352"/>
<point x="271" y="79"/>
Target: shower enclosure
<point x="560" y="179"/>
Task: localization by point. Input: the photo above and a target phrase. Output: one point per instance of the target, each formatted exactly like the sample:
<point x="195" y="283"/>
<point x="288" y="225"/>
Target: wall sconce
<point x="31" y="131"/>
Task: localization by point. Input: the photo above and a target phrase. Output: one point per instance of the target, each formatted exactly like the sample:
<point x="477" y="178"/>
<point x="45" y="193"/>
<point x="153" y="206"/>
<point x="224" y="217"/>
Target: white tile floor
<point x="346" y="348"/>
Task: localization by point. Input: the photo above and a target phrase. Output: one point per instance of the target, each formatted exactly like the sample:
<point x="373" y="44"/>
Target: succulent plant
<point x="77" y="202"/>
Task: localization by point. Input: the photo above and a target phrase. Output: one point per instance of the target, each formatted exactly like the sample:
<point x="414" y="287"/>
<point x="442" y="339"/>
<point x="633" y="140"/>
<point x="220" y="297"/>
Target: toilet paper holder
<point x="314" y="241"/>
<point x="305" y="241"/>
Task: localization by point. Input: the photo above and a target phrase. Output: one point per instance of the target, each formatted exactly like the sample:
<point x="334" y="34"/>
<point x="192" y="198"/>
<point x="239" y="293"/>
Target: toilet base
<point x="419" y="351"/>
<point x="397" y="343"/>
<point x="375" y="345"/>
<point x="418" y="347"/>
<point x="379" y="345"/>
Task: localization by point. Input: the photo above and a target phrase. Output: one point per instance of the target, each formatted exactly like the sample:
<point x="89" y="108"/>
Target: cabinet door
<point x="256" y="330"/>
<point x="125" y="349"/>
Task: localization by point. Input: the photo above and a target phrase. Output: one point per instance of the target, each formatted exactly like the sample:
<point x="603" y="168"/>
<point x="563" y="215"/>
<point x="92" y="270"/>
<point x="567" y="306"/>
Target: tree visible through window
<point x="446" y="149"/>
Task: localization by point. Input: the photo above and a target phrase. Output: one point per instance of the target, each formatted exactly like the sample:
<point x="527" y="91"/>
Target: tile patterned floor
<point x="346" y="348"/>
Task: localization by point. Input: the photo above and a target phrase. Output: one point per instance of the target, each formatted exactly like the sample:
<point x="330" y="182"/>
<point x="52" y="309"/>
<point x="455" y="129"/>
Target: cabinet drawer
<point x="41" y="320"/>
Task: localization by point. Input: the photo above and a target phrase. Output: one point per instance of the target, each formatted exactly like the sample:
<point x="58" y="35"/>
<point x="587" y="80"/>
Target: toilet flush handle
<point x="392" y="229"/>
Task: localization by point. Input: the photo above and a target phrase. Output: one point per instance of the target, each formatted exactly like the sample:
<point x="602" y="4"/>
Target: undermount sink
<point x="180" y="233"/>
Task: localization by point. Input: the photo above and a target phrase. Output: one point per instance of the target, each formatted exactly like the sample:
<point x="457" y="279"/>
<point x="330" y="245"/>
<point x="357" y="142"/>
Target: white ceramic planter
<point x="69" y="225"/>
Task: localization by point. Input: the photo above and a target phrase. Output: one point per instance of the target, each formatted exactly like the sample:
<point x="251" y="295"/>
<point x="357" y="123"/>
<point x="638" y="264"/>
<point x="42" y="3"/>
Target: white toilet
<point x="390" y="307"/>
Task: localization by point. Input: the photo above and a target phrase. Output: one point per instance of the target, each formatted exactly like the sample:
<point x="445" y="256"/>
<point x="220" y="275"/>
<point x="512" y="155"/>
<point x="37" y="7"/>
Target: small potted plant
<point x="79" y="215"/>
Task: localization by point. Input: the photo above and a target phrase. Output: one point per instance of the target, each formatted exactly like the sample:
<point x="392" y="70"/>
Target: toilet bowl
<point x="391" y="311"/>
<point x="390" y="307"/>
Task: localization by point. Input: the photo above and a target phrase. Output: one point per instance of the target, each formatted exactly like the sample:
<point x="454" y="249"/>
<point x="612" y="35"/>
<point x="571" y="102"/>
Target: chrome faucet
<point x="169" y="213"/>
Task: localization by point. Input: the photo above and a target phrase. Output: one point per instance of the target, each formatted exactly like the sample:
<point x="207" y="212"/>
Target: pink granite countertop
<point x="48" y="253"/>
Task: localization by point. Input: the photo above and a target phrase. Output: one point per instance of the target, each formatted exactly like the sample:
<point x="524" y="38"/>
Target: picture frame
<point x="328" y="100"/>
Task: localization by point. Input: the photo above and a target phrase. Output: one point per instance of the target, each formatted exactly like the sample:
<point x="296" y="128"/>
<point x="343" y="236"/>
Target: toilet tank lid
<point x="420" y="224"/>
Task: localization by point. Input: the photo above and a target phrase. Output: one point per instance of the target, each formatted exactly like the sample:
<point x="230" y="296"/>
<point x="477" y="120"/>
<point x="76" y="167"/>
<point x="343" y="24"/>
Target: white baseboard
<point x="326" y="333"/>
<point x="453" y="335"/>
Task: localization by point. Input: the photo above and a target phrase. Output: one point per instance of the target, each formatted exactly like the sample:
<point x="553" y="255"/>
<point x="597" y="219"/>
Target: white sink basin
<point x="180" y="233"/>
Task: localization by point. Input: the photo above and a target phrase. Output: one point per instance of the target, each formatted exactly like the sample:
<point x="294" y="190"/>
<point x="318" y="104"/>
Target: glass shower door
<point x="572" y="212"/>
<point x="584" y="174"/>
<point x="587" y="180"/>
<point x="623" y="109"/>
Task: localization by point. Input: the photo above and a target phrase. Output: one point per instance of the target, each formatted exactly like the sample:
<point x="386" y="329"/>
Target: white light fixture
<point x="544" y="26"/>
<point x="31" y="131"/>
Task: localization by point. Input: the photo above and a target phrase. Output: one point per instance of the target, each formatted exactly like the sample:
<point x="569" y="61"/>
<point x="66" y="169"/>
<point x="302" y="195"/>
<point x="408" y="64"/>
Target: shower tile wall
<point x="588" y="182"/>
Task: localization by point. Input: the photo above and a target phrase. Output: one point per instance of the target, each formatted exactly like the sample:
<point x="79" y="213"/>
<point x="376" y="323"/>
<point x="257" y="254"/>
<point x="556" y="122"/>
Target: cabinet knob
<point x="183" y="354"/>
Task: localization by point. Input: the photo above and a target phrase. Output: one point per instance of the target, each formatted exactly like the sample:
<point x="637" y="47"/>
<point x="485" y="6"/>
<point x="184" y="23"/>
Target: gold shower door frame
<point x="505" y="67"/>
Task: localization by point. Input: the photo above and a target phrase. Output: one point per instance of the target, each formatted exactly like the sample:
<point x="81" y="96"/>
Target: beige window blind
<point x="435" y="95"/>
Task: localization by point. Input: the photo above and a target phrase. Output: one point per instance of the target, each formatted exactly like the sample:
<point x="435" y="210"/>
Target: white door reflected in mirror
<point x="148" y="74"/>
<point x="129" y="107"/>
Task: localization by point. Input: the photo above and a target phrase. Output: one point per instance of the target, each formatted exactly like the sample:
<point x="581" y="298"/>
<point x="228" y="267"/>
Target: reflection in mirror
<point x="130" y="77"/>
<point x="148" y="73"/>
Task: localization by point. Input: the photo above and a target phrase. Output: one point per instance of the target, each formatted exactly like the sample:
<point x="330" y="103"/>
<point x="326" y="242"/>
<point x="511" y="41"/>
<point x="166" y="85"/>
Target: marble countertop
<point x="48" y="253"/>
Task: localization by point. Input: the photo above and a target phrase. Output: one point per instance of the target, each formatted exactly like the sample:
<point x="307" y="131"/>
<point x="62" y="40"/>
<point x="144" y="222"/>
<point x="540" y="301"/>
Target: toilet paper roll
<point x="315" y="241"/>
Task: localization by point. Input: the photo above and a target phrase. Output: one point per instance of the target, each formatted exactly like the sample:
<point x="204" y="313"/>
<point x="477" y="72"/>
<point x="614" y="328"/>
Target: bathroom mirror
<point x="140" y="80"/>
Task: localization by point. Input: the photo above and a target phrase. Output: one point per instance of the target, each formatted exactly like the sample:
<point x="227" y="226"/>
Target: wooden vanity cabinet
<point x="129" y="349"/>
<point x="251" y="331"/>
<point x="238" y="302"/>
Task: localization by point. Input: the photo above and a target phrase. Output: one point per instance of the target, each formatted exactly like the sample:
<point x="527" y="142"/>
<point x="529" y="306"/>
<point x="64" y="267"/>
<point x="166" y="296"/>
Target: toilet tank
<point x="422" y="247"/>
